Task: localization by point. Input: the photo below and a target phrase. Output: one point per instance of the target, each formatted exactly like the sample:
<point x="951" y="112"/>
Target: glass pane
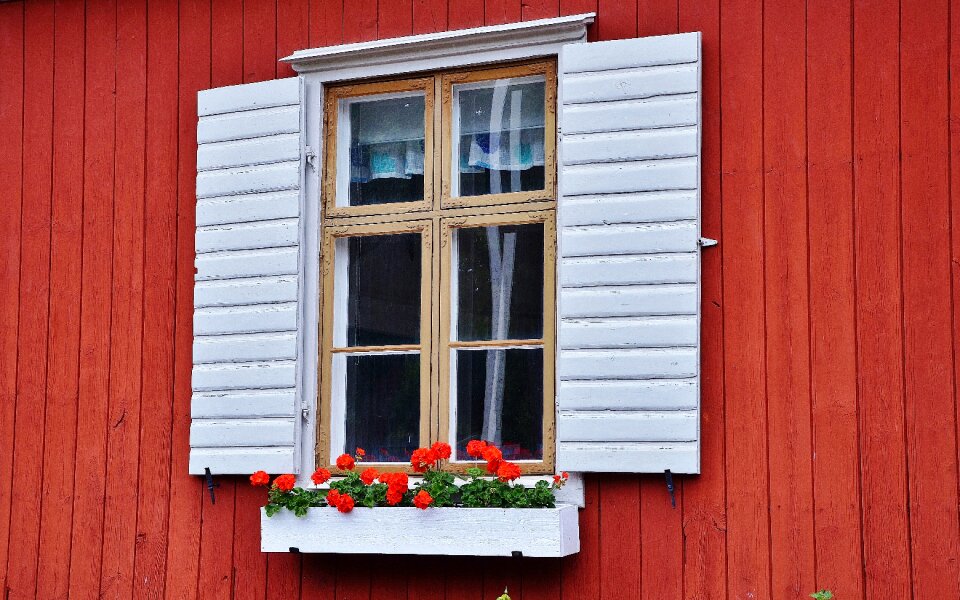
<point x="383" y="405"/>
<point x="500" y="400"/>
<point x="500" y="282"/>
<point x="386" y="149"/>
<point x="383" y="289"/>
<point x="500" y="138"/>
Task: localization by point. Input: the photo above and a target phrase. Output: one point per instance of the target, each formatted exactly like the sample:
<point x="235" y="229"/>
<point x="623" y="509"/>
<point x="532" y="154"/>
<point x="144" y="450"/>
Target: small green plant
<point x="504" y="595"/>
<point x="822" y="595"/>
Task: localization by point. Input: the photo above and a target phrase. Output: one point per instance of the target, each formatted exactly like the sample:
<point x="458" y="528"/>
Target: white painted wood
<point x="247" y="236"/>
<point x="246" y="350"/>
<point x="645" y="238"/>
<point x="247" y="263"/>
<point x="628" y="426"/>
<point x="630" y="84"/>
<point x="244" y="376"/>
<point x="243" y="404"/>
<point x="534" y="532"/>
<point x="638" y="395"/>
<point x="249" y="96"/>
<point x="629" y="268"/>
<point x="644" y="207"/>
<point x="249" y="179"/>
<point x="647" y="332"/>
<point x="628" y="300"/>
<point x="255" y="151"/>
<point x="237" y="292"/>
<point x="248" y="207"/>
<point x="254" y="318"/>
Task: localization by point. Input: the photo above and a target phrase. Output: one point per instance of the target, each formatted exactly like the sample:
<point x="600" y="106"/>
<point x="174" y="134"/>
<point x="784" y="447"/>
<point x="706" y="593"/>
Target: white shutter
<point x="246" y="347"/>
<point x="629" y="272"/>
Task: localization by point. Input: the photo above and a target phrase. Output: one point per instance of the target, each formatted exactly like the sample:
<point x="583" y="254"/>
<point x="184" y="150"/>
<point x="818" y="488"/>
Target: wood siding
<point x="831" y="308"/>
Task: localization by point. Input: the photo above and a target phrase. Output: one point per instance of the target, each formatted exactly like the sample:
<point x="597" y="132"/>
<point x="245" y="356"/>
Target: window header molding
<point x="395" y="56"/>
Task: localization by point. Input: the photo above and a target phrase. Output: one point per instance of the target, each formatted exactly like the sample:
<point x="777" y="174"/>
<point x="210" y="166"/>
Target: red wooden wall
<point x="831" y="308"/>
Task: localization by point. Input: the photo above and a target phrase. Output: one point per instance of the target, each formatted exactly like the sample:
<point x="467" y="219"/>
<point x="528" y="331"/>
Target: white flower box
<point x="439" y="531"/>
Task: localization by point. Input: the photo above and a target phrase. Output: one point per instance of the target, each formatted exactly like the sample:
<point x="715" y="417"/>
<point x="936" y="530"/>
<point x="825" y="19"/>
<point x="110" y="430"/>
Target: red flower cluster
<point x="368" y="476"/>
<point x="260" y="478"/>
<point x="423" y="459"/>
<point x="320" y="476"/>
<point x="397" y="485"/>
<point x="342" y="502"/>
<point x="422" y="500"/>
<point x="559" y="480"/>
<point x="503" y="469"/>
<point x="345" y="462"/>
<point x="285" y="483"/>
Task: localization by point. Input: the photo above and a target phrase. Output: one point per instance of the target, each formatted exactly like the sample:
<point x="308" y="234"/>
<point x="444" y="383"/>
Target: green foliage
<point x="297" y="500"/>
<point x="822" y="595"/>
<point x="480" y="492"/>
<point x="439" y="485"/>
<point x="504" y="595"/>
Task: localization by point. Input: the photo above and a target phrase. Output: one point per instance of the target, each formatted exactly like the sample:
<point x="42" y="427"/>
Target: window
<point x="439" y="266"/>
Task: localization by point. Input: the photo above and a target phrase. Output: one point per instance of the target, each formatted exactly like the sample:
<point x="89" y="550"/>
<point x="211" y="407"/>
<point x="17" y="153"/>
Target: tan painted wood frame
<point x="331" y="112"/>
<point x="548" y="69"/>
<point x="435" y="220"/>
<point x="445" y="345"/>
<point x="325" y="454"/>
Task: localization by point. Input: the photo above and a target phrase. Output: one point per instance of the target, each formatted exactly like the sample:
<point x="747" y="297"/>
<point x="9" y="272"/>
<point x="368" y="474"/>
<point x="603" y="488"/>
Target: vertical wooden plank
<point x="429" y="16"/>
<point x="542" y="579"/>
<point x="318" y="577"/>
<point x="160" y="243"/>
<point x="394" y="18"/>
<point x="34" y="299"/>
<point x="501" y="573"/>
<point x="249" y="564"/>
<point x="63" y="345"/>
<point x="353" y="580"/>
<point x="186" y="492"/>
<point x="704" y="512"/>
<point x="832" y="301"/>
<point x="577" y="7"/>
<point x="657" y="17"/>
<point x="463" y="579"/>
<point x="539" y="9"/>
<point x="293" y="19"/>
<point x="326" y="22"/>
<point x="954" y="78"/>
<point x="661" y="539"/>
<point x="126" y="320"/>
<point x="786" y="298"/>
<point x="464" y="14"/>
<point x="226" y="42"/>
<point x="928" y="344"/>
<point x="398" y="577"/>
<point x="619" y="537"/>
<point x="259" y="40"/>
<point x="616" y="20"/>
<point x="11" y="170"/>
<point x="581" y="571"/>
<point x="883" y="466"/>
<point x="501" y="11"/>
<point x="746" y="469"/>
<point x="359" y="21"/>
<point x="283" y="576"/>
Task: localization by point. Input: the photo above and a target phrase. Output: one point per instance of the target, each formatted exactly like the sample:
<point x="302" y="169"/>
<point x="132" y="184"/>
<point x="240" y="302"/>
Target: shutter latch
<point x="311" y="155"/>
<point x="706" y="242"/>
<point x="210" y="484"/>
<point x="669" y="477"/>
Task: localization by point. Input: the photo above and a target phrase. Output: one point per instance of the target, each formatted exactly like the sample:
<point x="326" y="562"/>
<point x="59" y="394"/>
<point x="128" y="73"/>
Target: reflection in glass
<point x="386" y="149"/>
<point x="383" y="405"/>
<point x="500" y="399"/>
<point x="500" y="139"/>
<point x="500" y="282"/>
<point x="383" y="289"/>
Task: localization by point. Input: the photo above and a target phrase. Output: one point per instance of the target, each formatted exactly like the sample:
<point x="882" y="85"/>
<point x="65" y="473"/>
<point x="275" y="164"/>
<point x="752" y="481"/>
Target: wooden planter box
<point x="440" y="531"/>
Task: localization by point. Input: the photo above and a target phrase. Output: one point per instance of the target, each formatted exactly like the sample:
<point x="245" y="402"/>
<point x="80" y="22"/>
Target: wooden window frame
<point x="437" y="216"/>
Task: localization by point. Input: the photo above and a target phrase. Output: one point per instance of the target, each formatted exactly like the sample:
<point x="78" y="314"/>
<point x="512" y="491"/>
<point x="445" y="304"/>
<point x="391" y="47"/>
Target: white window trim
<point x="318" y="67"/>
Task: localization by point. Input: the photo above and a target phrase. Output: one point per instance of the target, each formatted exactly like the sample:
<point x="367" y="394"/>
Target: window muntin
<point x="501" y="354"/>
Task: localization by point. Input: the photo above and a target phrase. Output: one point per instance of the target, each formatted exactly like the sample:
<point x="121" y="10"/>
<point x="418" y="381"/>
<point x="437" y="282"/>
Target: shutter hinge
<point x="706" y="242"/>
<point x="305" y="412"/>
<point x="210" y="484"/>
<point x="311" y="155"/>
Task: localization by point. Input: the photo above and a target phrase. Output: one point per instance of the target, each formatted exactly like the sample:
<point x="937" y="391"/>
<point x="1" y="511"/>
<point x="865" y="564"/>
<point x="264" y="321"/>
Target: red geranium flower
<point x="494" y="457"/>
<point x="422" y="500"/>
<point x="565" y="475"/>
<point x="345" y="462"/>
<point x="368" y="475"/>
<point x="508" y="471"/>
<point x="394" y="497"/>
<point x="259" y="478"/>
<point x="556" y="478"/>
<point x="396" y="482"/>
<point x="361" y="452"/>
<point x="442" y="449"/>
<point x="422" y="459"/>
<point x="345" y="504"/>
<point x="475" y="448"/>
<point x="320" y="476"/>
<point x="333" y="497"/>
<point x="285" y="483"/>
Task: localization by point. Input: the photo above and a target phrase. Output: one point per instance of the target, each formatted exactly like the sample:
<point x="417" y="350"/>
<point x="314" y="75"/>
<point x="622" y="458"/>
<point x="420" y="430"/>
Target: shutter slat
<point x="246" y="356"/>
<point x="628" y="363"/>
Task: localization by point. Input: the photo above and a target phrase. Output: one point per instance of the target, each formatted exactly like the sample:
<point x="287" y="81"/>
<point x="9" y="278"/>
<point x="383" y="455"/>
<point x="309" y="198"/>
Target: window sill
<point x="542" y="532"/>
